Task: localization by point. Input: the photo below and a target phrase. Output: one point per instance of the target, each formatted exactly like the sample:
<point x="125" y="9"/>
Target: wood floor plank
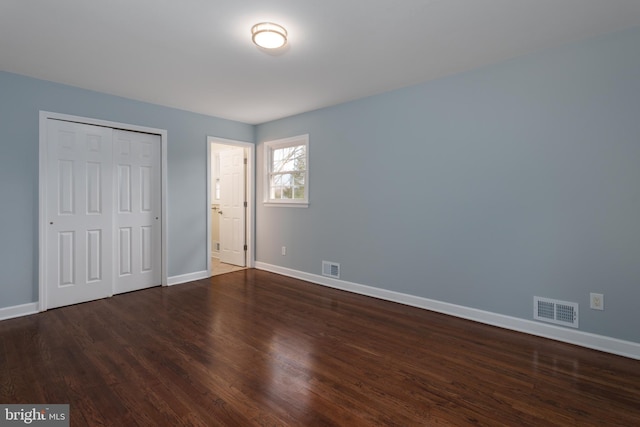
<point x="252" y="348"/>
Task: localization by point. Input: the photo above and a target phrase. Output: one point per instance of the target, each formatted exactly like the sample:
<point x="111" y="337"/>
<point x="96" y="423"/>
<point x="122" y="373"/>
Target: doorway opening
<point x="230" y="195"/>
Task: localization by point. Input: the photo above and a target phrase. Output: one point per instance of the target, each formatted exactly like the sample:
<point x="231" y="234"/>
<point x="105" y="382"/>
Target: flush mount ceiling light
<point x="269" y="35"/>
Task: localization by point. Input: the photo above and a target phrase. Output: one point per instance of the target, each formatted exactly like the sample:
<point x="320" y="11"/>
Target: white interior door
<point x="232" y="207"/>
<point x="137" y="211"/>
<point x="79" y="213"/>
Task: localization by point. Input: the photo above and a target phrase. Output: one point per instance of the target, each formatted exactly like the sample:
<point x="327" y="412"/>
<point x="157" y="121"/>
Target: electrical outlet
<point x="597" y="301"/>
<point x="284" y="250"/>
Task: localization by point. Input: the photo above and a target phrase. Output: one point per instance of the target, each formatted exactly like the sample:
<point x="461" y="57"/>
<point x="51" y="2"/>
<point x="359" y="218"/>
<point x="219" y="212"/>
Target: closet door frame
<point x="42" y="193"/>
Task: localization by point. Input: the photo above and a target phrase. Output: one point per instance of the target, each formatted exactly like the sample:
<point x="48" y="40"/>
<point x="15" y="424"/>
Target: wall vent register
<point x="555" y="311"/>
<point x="331" y="269"/>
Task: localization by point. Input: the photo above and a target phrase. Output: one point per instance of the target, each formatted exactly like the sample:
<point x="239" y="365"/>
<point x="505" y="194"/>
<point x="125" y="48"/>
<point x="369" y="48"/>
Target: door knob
<point x="220" y="212"/>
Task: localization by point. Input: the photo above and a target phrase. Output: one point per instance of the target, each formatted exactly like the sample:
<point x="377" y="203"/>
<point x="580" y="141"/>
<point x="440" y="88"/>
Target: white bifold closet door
<point x="102" y="210"/>
<point x="79" y="213"/>
<point x="137" y="206"/>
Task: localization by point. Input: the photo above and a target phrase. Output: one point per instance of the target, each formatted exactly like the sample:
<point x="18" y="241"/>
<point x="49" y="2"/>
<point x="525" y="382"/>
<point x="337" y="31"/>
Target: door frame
<point x="42" y="191"/>
<point x="250" y="192"/>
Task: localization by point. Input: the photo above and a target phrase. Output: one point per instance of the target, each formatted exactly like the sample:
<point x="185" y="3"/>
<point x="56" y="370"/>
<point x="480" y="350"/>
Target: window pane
<point x="277" y="166"/>
<point x="289" y="159"/>
<point x="298" y="193"/>
<point x="298" y="179"/>
<point x="287" y="192"/>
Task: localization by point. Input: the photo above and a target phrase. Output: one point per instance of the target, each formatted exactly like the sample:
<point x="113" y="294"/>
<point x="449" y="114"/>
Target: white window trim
<point x="269" y="146"/>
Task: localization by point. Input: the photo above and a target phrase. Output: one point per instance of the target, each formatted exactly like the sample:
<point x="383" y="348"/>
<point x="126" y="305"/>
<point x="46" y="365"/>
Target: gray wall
<point x="21" y="99"/>
<point x="482" y="189"/>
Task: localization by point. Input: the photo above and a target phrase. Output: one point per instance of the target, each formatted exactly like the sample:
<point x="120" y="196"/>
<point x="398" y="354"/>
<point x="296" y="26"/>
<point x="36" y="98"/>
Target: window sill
<point x="286" y="204"/>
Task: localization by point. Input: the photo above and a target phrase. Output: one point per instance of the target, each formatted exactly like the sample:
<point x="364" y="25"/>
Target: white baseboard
<point x="189" y="277"/>
<point x="584" y="339"/>
<point x="32" y="308"/>
<point x="18" y="310"/>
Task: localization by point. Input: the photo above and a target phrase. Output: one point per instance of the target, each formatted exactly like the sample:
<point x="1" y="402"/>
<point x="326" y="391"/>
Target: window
<point x="287" y="171"/>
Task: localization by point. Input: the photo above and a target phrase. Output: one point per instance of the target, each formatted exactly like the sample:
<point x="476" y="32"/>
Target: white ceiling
<point x="197" y="55"/>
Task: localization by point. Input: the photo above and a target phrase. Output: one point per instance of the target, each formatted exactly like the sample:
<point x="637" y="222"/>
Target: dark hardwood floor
<point x="254" y="348"/>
